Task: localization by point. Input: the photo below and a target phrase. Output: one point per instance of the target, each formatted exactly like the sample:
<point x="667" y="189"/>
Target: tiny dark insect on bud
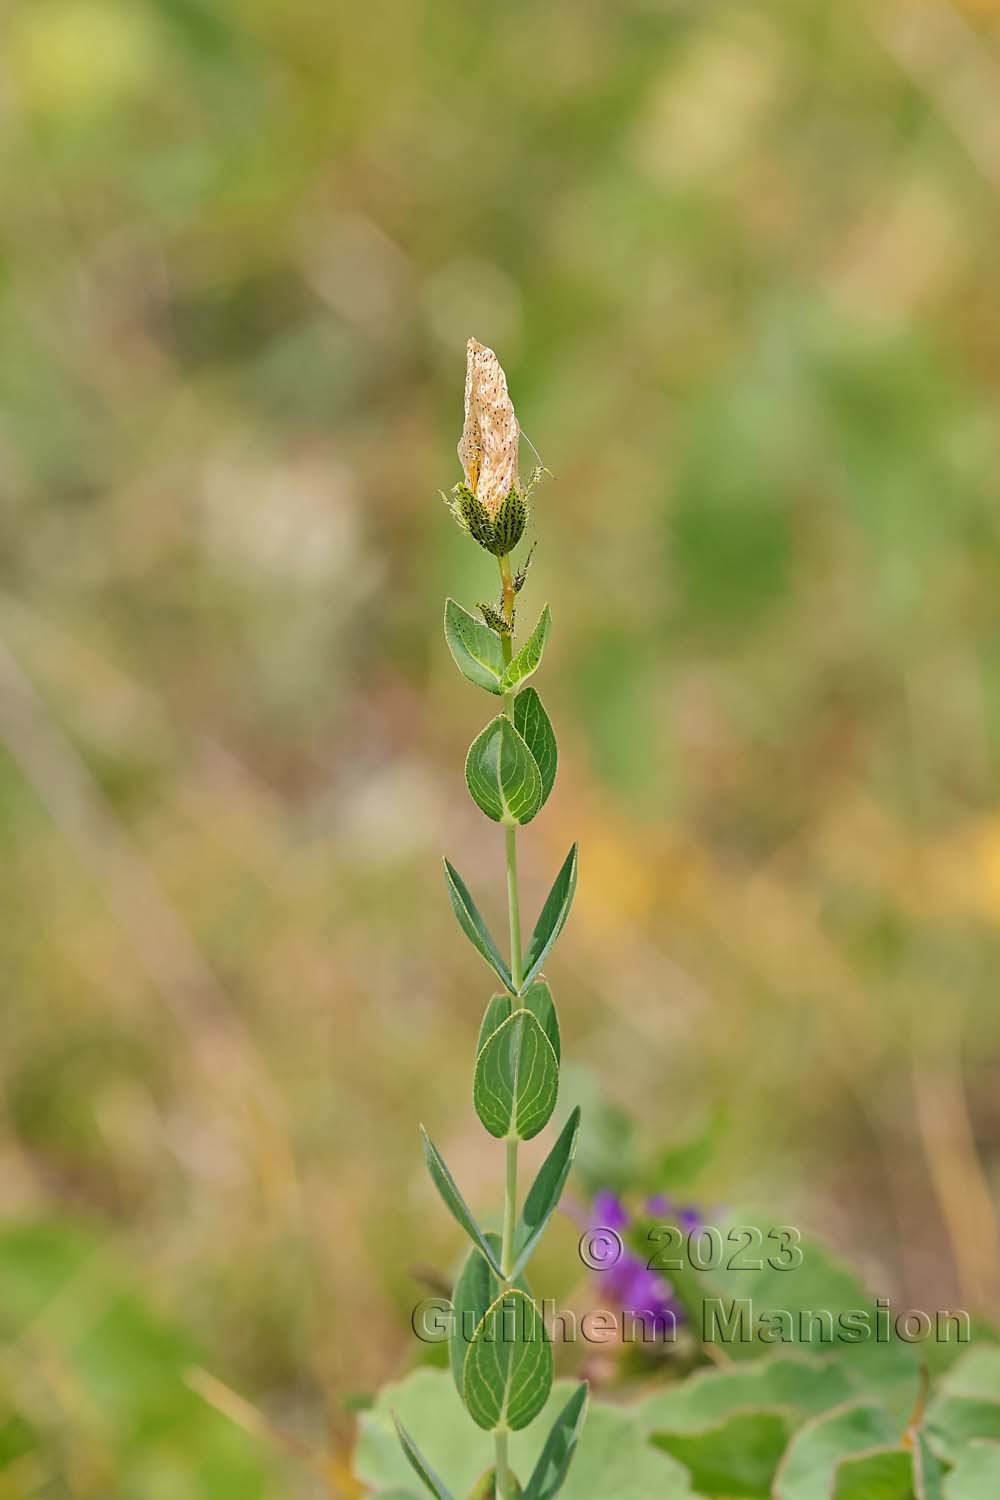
<point x="522" y="573"/>
<point x="495" y="620"/>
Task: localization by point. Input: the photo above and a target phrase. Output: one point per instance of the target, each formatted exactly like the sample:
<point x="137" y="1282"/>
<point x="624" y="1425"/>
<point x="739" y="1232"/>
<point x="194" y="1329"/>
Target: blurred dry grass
<point x="740" y="262"/>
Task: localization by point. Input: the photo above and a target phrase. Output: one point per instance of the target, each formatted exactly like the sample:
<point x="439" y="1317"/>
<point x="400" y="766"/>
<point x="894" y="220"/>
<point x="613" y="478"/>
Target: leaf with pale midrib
<point x="529" y="657"/>
<point x="475" y="648"/>
<point x="501" y="774"/>
<point x="516" y="1081"/>
<point x="508" y="1369"/>
<point x="533" y="724"/>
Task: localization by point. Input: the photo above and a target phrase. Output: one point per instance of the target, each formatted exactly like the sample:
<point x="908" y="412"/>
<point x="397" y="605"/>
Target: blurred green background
<point x="740" y="263"/>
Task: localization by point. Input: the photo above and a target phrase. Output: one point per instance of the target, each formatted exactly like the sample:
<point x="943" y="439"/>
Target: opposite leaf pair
<point x="478" y="650"/>
<point x="547" y="929"/>
<point x="539" y="1205"/>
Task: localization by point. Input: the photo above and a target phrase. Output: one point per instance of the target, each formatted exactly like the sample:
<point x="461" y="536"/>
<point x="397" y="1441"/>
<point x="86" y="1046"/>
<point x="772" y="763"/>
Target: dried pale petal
<point x="488" y="446"/>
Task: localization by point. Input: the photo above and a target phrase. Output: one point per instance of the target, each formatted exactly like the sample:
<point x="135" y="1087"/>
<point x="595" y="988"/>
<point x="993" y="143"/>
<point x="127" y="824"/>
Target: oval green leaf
<point x="497" y="1011"/>
<point x="473" y="926"/>
<point x="553" y="918"/>
<point x="538" y="999"/>
<point x="475" y="648"/>
<point x="508" y="1369"/>
<point x="533" y="725"/>
<point x="419" y="1463"/>
<point x="453" y="1200"/>
<point x="516" y="1082"/>
<point x="529" y="657"/>
<point x="550" y="1472"/>
<point x="476" y="1289"/>
<point x="546" y="1190"/>
<point x="501" y="774"/>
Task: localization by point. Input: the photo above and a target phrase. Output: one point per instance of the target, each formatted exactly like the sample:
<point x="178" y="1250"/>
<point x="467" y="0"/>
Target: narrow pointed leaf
<point x="532" y="723"/>
<point x="552" y="920"/>
<point x="550" y="1472"/>
<point x="495" y="1014"/>
<point x="419" y="1463"/>
<point x="546" y="1190"/>
<point x="454" y="1202"/>
<point x="473" y="926"/>
<point x="538" y="999"/>
<point x="475" y="648"/>
<point x="528" y="658"/>
<point x="508" y="1369"/>
<point x="501" y="774"/>
<point x="516" y="1081"/>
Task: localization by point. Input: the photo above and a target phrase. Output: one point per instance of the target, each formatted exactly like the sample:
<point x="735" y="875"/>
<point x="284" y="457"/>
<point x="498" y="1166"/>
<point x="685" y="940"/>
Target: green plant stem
<point x="514" y="910"/>
<point x="504" y="1487"/>
<point x="502" y="1467"/>
<point x="509" y="1209"/>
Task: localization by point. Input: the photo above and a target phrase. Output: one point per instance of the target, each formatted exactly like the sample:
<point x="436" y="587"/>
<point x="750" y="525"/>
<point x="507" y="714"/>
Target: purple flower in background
<point x="624" y="1277"/>
<point x="665" y="1211"/>
<point x="608" y="1211"/>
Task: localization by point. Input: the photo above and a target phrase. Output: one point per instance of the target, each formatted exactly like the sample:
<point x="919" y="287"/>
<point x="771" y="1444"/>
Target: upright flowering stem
<point x="503" y="1477"/>
<point x="500" y="1353"/>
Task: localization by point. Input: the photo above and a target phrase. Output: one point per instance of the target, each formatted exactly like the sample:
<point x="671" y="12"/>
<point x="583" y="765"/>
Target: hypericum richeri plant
<point x="501" y="1357"/>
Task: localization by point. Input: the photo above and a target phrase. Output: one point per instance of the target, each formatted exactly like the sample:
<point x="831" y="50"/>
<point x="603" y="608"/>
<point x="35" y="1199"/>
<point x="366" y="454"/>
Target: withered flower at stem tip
<point x="491" y="505"/>
<point x="488" y="447"/>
